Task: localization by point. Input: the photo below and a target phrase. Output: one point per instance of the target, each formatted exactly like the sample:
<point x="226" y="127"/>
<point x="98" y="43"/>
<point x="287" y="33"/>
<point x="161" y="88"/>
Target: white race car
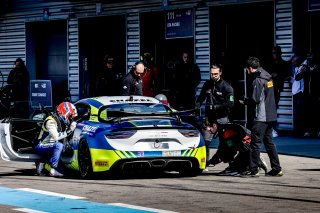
<point x="116" y="133"/>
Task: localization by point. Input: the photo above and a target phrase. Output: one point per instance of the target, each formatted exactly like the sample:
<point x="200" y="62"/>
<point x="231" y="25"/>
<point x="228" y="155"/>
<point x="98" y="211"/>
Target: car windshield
<point x="121" y="110"/>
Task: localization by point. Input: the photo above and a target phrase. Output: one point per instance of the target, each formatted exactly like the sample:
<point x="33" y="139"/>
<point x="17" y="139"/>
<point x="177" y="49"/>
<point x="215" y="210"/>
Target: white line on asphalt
<point x="51" y="193"/>
<point x="28" y="210"/>
<point x="140" y="207"/>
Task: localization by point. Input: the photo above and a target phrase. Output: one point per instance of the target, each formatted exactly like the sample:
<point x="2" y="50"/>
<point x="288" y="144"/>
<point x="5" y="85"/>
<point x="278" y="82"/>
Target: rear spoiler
<point x="112" y="116"/>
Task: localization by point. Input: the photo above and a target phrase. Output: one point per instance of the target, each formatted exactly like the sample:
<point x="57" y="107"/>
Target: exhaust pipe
<point x="159" y="163"/>
<point x="136" y="165"/>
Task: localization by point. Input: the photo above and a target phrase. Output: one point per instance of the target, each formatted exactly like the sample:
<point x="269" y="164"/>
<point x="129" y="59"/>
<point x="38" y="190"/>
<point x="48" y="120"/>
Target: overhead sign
<point x="41" y="93"/>
<point x="179" y="24"/>
<point x="314" y="5"/>
<point x="165" y="4"/>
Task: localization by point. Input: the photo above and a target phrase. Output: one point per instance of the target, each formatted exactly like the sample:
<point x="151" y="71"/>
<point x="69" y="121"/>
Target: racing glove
<point x="71" y="128"/>
<point x="205" y="123"/>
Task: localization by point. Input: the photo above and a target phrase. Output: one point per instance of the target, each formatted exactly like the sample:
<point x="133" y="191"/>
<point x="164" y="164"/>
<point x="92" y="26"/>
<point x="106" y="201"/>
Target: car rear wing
<point x="118" y="116"/>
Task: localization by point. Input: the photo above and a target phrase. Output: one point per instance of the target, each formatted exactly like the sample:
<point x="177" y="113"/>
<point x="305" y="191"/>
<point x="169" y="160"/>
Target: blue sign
<point x="179" y="24"/>
<point x="165" y="4"/>
<point x="41" y="93"/>
<point x="314" y="5"/>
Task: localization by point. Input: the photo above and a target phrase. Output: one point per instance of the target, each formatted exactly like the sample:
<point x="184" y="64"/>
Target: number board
<point x="179" y="24"/>
<point x="41" y="92"/>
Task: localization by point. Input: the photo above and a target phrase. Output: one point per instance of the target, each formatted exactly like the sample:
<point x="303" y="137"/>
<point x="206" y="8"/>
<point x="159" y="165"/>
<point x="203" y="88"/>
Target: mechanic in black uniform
<point x="132" y="82"/>
<point x="265" y="115"/>
<point x="234" y="148"/>
<point x="219" y="98"/>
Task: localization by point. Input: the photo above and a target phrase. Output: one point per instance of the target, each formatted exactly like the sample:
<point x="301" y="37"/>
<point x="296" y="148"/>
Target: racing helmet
<point x="67" y="111"/>
<point x="162" y="98"/>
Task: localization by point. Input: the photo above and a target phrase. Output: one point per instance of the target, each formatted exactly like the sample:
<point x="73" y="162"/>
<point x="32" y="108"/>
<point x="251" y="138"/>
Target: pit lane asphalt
<point x="302" y="146"/>
<point x="297" y="191"/>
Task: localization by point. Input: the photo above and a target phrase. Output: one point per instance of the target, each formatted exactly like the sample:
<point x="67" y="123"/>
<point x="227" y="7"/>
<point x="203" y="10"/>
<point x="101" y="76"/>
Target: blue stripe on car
<point x="94" y="103"/>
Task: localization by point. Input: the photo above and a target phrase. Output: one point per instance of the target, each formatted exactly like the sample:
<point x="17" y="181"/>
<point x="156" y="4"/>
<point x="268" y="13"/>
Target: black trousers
<point x="262" y="132"/>
<point x="299" y="114"/>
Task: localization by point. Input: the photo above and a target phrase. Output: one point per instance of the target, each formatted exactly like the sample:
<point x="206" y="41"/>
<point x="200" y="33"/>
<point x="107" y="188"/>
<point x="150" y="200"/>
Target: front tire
<point x="84" y="160"/>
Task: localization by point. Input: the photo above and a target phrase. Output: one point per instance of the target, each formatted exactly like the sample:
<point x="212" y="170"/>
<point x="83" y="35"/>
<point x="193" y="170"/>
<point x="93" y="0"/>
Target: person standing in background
<point x="132" y="83"/>
<point x="109" y="79"/>
<point x="279" y="70"/>
<point x="18" y="82"/>
<point x="313" y="68"/>
<point x="298" y="95"/>
<point x="18" y="79"/>
<point x="310" y="74"/>
<point x="187" y="77"/>
<point x="150" y="77"/>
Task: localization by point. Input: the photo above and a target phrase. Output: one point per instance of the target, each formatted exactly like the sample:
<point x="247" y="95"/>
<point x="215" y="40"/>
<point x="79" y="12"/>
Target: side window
<point x="83" y="111"/>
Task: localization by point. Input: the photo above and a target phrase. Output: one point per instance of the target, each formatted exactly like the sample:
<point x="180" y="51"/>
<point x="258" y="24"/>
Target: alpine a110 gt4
<point x="115" y="133"/>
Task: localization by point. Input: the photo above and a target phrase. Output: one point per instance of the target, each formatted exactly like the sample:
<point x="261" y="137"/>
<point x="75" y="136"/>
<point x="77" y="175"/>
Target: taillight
<point x="120" y="135"/>
<point x="189" y="133"/>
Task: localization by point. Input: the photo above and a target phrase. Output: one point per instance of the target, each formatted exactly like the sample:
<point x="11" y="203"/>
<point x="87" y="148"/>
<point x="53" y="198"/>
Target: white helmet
<point x="162" y="98"/>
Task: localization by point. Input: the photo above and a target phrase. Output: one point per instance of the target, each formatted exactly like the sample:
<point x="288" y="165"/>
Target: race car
<point x="115" y="133"/>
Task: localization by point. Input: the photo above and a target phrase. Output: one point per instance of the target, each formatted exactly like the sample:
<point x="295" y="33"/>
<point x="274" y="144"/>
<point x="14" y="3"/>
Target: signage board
<point x="41" y="93"/>
<point x="313" y="5"/>
<point x="179" y="24"/>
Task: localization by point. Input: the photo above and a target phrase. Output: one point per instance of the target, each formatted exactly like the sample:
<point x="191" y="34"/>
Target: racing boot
<point x="40" y="167"/>
<point x="54" y="173"/>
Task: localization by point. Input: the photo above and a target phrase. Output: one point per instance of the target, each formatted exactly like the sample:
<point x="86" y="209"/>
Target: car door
<point x="18" y="138"/>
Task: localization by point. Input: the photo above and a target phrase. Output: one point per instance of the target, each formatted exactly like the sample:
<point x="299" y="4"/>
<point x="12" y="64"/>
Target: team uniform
<point x="55" y="128"/>
<point x="219" y="98"/>
<point x="234" y="148"/>
<point x="51" y="132"/>
<point x="132" y="85"/>
<point x="265" y="115"/>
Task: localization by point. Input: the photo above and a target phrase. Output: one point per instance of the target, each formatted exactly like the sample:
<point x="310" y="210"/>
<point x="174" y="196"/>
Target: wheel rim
<point x="84" y="159"/>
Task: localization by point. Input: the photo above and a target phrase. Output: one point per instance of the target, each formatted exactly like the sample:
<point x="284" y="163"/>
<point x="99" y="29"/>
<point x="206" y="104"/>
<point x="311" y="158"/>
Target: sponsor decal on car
<point x="101" y="163"/>
<point x="171" y="153"/>
<point x="90" y="130"/>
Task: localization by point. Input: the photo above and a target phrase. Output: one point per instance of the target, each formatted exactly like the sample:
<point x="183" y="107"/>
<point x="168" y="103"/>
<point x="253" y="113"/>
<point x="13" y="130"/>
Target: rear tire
<point x="84" y="160"/>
